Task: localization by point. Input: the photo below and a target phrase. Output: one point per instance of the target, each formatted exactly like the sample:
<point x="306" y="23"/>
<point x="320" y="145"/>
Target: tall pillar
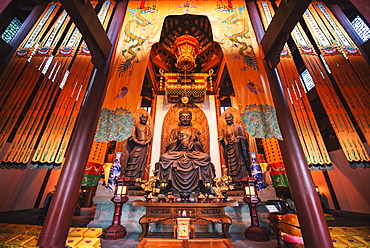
<point x="363" y="7"/>
<point x="310" y="214"/>
<point x="56" y="226"/>
<point x="4" y="4"/>
<point x="90" y="193"/>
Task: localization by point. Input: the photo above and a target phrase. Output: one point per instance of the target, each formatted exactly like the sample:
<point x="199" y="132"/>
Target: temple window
<point x="361" y="28"/>
<point x="307" y="80"/>
<point x="11" y="30"/>
<point x="147" y="108"/>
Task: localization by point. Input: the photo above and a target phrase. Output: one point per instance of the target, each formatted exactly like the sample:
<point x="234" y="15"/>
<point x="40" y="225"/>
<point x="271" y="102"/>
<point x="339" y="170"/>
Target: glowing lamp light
<point x="185" y="99"/>
<point x="250" y="190"/>
<point x="207" y="184"/>
<point x="120" y="191"/>
<point x="163" y="184"/>
<point x="186" y="48"/>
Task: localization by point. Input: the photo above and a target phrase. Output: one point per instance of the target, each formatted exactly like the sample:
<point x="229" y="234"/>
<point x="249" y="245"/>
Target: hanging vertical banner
<point x="16" y="88"/>
<point x="53" y="145"/>
<point x="349" y="68"/>
<point x="339" y="119"/>
<point x="234" y="33"/>
<point x="58" y="78"/>
<point x="92" y="174"/>
<point x="141" y="29"/>
<point x="275" y="162"/>
<point x="308" y="131"/>
<point x="27" y="134"/>
<point x="348" y="47"/>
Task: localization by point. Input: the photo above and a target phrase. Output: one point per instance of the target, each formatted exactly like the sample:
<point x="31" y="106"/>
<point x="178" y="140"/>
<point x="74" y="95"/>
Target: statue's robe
<point x="139" y="141"/>
<point x="235" y="147"/>
<point x="184" y="163"/>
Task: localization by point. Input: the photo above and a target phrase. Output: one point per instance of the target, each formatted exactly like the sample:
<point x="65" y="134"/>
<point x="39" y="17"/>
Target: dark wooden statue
<point x="139" y="143"/>
<point x="184" y="163"/>
<point x="235" y="146"/>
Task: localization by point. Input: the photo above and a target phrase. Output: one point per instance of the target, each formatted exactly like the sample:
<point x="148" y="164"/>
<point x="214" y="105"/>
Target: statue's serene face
<point x="143" y="119"/>
<point x="185" y="119"/>
<point x="229" y="119"/>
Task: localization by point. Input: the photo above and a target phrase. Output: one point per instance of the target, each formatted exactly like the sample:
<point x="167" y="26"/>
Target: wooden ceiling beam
<point x="93" y="33"/>
<point x="211" y="64"/>
<point x="287" y="15"/>
<point x="152" y="77"/>
<point x="220" y="75"/>
<point x="159" y="63"/>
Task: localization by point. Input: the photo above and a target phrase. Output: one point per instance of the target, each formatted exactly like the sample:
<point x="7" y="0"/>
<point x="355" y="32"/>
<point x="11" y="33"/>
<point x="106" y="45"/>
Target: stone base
<point x="86" y="213"/>
<point x="104" y="212"/>
<point x="257" y="233"/>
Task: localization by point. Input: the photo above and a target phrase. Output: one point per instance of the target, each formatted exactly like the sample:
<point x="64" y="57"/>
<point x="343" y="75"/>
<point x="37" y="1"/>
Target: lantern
<point x="116" y="230"/>
<point x="186" y="49"/>
<point x="250" y="195"/>
<point x="254" y="232"/>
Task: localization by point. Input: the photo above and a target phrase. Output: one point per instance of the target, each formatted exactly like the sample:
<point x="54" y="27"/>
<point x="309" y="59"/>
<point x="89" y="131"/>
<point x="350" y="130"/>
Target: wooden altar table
<point x="169" y="212"/>
<point x="195" y="243"/>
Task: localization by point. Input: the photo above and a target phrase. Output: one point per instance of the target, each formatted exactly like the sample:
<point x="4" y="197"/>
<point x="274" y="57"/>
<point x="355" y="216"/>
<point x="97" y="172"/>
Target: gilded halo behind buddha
<point x="184" y="163"/>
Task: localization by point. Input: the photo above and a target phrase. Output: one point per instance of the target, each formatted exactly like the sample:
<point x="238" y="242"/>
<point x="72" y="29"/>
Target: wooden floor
<point x="191" y="243"/>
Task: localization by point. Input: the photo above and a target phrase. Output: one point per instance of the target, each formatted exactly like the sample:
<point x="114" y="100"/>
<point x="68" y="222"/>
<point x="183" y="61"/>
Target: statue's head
<point x="229" y="118"/>
<point x="185" y="117"/>
<point x="143" y="118"/>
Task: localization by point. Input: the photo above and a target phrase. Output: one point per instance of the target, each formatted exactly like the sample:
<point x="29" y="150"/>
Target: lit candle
<point x="247" y="191"/>
<point x="253" y="192"/>
<point x="119" y="190"/>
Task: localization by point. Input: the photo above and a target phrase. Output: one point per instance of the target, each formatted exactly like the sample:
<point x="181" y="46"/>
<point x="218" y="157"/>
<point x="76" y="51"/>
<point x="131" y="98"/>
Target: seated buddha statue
<point x="184" y="162"/>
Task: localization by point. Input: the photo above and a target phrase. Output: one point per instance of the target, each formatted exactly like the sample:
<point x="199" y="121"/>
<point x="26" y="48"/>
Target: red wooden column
<point x="4" y="4"/>
<point x="363" y="7"/>
<point x="55" y="230"/>
<point x="310" y="214"/>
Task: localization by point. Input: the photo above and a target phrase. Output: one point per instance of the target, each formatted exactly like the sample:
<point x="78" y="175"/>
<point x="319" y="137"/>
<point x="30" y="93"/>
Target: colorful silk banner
<point x="16" y="88"/>
<point x="57" y="77"/>
<point x="275" y="162"/>
<point x="92" y="174"/>
<point x="278" y="175"/>
<point x="308" y="131"/>
<point x="349" y="68"/>
<point x="338" y="66"/>
<point x="53" y="145"/>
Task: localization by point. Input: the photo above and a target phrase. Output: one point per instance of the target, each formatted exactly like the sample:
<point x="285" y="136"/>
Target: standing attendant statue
<point x="140" y="140"/>
<point x="235" y="148"/>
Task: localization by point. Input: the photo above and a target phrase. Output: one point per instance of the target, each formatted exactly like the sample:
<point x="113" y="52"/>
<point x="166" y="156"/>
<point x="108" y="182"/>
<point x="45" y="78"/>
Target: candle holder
<point x="170" y="197"/>
<point x="254" y="232"/>
<point x="116" y="230"/>
<point x="201" y="198"/>
<point x="222" y="185"/>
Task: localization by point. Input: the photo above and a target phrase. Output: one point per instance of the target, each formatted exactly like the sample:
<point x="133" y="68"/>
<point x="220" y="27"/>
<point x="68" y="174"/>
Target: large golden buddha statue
<point x="184" y="163"/>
